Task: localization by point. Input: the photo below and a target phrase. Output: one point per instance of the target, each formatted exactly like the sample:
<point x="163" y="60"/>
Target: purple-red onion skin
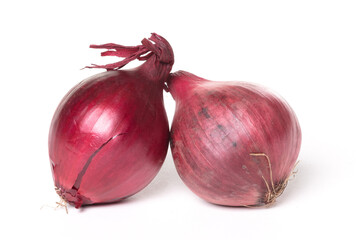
<point x="88" y="117"/>
<point x="109" y="135"/>
<point x="218" y="126"/>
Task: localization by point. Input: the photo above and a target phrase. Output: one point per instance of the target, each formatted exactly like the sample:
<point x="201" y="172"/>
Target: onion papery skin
<point x="109" y="135"/>
<point x="233" y="143"/>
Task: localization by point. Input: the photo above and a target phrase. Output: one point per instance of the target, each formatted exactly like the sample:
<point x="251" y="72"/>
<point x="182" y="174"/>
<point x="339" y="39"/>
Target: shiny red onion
<point x="109" y="135"/>
<point x="233" y="143"/>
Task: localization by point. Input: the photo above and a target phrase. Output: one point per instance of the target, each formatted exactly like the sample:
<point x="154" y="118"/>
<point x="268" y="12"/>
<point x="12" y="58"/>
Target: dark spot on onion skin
<point x="234" y="144"/>
<point x="261" y="200"/>
<point x="171" y="141"/>
<point x="256" y="160"/>
<point x="204" y="111"/>
<point x="221" y="127"/>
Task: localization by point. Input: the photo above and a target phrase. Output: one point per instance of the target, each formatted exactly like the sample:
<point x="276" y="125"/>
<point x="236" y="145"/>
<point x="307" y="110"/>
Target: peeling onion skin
<point x="222" y="134"/>
<point x="109" y="135"/>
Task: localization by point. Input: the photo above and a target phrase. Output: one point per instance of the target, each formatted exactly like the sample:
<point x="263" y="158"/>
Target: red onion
<point x="109" y="135"/>
<point x="233" y="143"/>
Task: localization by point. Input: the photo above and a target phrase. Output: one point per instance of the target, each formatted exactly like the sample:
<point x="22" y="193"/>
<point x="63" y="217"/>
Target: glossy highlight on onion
<point x="233" y="143"/>
<point x="109" y="135"/>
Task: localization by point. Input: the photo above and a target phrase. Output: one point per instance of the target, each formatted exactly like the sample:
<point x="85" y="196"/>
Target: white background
<point x="304" y="50"/>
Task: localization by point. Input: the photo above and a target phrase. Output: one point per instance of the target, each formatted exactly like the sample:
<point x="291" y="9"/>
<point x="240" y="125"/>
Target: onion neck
<point x="155" y="51"/>
<point x="158" y="66"/>
<point x="154" y="70"/>
<point x="181" y="83"/>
